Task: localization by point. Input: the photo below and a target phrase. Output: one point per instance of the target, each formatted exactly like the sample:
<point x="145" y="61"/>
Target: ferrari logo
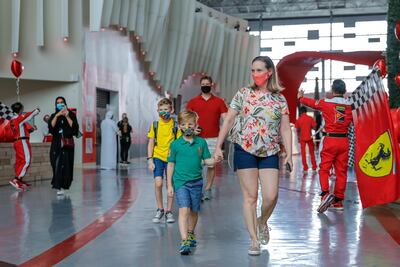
<point x="378" y="159"/>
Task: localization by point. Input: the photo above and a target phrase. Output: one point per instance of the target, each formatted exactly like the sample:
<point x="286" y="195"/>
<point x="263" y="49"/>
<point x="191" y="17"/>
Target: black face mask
<point x="206" y="89"/>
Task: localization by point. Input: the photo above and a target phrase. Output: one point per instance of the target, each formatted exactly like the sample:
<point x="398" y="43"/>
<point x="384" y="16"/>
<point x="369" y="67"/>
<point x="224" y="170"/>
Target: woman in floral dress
<point x="261" y="117"/>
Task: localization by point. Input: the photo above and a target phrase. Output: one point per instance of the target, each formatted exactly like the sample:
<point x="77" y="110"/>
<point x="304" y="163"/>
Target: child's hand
<point x="170" y="191"/>
<point x="210" y="163"/>
<point x="150" y="164"/>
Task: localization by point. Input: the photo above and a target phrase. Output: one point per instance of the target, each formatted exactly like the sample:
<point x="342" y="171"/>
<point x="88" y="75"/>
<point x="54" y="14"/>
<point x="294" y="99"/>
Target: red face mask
<point x="261" y="79"/>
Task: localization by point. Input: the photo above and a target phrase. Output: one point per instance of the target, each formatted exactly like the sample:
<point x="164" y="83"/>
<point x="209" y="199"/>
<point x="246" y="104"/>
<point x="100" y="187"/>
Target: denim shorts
<point x="189" y="195"/>
<point x="244" y="160"/>
<point x="160" y="167"/>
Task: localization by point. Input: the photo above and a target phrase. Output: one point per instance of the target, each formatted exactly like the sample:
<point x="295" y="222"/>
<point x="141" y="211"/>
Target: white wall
<point x="111" y="63"/>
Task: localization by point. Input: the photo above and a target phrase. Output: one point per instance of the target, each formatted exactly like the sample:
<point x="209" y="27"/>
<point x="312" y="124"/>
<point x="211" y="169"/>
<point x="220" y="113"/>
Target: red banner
<point x="376" y="149"/>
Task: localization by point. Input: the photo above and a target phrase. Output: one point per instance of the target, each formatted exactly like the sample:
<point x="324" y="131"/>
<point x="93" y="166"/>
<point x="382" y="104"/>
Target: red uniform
<point x="209" y="112"/>
<point x="21" y="132"/>
<point x="304" y="125"/>
<point x="337" y="116"/>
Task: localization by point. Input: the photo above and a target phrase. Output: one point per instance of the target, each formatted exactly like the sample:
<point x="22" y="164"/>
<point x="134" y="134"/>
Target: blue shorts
<point x="160" y="167"/>
<point x="189" y="195"/>
<point x="244" y="160"/>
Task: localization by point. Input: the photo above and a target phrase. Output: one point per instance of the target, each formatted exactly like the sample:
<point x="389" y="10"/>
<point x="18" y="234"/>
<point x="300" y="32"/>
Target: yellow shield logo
<point x="378" y="159"/>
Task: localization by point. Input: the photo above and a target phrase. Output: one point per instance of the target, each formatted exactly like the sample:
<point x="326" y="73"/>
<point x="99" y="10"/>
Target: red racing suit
<point x="337" y="117"/>
<point x="304" y="125"/>
<point x="21" y="131"/>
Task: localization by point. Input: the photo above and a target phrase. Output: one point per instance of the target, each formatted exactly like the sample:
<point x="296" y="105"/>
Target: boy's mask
<point x="188" y="131"/>
<point x="165" y="115"/>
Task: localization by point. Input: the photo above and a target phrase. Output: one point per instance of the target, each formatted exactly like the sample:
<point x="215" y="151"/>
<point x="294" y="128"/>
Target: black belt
<point x="21" y="138"/>
<point x="335" y="134"/>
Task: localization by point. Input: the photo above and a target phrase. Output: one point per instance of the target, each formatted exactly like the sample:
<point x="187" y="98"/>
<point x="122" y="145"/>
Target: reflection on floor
<point x="105" y="220"/>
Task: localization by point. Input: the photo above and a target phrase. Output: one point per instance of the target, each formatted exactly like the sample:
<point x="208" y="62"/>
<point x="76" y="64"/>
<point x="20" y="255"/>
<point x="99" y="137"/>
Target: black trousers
<point x="125" y="150"/>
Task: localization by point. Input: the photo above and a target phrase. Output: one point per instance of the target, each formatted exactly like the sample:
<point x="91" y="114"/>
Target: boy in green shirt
<point x="185" y="179"/>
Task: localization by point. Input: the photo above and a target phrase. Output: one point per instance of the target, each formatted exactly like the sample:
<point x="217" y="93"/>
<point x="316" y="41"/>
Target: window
<point x="349" y="67"/>
<point x="266" y="49"/>
<point x="313" y="35"/>
<point x="349" y="35"/>
<point x="374" y="40"/>
<point x="290" y="43"/>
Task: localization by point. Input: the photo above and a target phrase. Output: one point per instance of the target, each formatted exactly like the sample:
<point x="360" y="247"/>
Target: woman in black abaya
<point x="63" y="125"/>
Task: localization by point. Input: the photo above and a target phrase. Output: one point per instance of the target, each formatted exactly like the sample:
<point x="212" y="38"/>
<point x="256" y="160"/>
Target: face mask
<point x="60" y="106"/>
<point x="261" y="79"/>
<point x="165" y="115"/>
<point x="206" y="89"/>
<point x="188" y="131"/>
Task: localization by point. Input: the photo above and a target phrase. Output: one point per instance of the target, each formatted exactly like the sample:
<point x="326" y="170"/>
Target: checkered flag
<point x="358" y="99"/>
<point x="5" y="112"/>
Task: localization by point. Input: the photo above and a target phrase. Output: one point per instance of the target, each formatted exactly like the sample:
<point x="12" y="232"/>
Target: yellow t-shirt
<point x="165" y="136"/>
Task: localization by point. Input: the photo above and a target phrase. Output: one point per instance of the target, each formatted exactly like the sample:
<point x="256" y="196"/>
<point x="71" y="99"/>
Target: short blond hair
<point x="186" y="115"/>
<point x="164" y="101"/>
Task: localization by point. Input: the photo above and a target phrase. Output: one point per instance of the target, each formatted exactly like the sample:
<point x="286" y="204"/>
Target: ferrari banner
<point x="376" y="159"/>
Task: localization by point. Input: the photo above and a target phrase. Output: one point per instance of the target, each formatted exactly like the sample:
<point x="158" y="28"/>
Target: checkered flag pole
<point x="352" y="149"/>
<point x="5" y="112"/>
<point x="357" y="99"/>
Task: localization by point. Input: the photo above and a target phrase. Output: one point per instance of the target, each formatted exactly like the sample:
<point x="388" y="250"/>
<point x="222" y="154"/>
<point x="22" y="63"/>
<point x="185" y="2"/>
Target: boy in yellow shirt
<point x="161" y="134"/>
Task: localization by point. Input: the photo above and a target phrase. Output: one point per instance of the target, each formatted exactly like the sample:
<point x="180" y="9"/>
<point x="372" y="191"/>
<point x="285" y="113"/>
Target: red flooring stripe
<point x="389" y="221"/>
<point x="75" y="242"/>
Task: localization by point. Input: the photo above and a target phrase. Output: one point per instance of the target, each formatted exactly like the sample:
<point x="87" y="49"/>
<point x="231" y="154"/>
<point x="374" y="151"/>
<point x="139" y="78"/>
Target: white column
<point x="64" y="19"/>
<point x="15" y="23"/>
<point x="39" y="23"/>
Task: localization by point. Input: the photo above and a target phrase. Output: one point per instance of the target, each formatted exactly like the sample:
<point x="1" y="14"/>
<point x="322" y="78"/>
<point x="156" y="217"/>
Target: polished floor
<point x="105" y="220"/>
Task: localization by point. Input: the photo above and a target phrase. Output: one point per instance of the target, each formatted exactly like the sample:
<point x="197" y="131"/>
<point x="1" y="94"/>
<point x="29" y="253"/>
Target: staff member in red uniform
<point x="21" y="132"/>
<point x="336" y="113"/>
<point x="304" y="125"/>
<point x="210" y="109"/>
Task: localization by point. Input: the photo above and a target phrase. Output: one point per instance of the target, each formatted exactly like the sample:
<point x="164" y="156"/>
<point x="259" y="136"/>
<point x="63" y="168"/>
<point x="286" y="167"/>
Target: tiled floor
<point x="105" y="220"/>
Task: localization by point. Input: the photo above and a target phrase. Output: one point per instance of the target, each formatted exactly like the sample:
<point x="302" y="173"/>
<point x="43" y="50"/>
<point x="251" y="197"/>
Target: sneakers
<point x="169" y="217"/>
<point x="336" y="206"/>
<point x="254" y="249"/>
<point x="17" y="184"/>
<point x="184" y="248"/>
<point x="192" y="239"/>
<point x="326" y="201"/>
<point x="207" y="195"/>
<point x="158" y="216"/>
<point x="60" y="192"/>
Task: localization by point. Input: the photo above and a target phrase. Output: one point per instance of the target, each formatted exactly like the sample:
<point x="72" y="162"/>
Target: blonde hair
<point x="186" y="115"/>
<point x="273" y="84"/>
<point x="164" y="101"/>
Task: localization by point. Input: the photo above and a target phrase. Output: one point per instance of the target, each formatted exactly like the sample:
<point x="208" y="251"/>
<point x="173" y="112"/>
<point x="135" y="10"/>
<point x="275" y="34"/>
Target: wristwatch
<point x="149" y="158"/>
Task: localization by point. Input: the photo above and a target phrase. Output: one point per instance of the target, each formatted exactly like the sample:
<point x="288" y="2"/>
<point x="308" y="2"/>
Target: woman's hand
<point x="288" y="160"/>
<point x="218" y="155"/>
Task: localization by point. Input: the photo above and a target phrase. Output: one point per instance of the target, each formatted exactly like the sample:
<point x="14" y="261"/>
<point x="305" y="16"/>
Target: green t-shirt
<point x="187" y="158"/>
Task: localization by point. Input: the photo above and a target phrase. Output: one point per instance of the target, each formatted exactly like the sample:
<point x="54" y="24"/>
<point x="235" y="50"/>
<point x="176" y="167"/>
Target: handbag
<point x="67" y="142"/>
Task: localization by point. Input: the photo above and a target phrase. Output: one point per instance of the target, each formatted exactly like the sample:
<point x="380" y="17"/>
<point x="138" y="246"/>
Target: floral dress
<point x="257" y="126"/>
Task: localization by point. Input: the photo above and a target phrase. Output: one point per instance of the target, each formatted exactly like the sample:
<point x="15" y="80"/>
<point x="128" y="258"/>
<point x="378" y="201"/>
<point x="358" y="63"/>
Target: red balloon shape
<point x="16" y="68"/>
<point x="397" y="79"/>
<point x="397" y="30"/>
<point x="381" y="65"/>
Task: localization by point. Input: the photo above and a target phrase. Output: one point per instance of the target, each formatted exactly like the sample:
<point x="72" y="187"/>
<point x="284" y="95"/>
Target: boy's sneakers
<point x="17" y="184"/>
<point x="158" y="216"/>
<point x="336" y="206"/>
<point x="192" y="239"/>
<point x="169" y="217"/>
<point x="254" y="249"/>
<point x="207" y="195"/>
<point x="25" y="184"/>
<point x="326" y="201"/>
<point x="184" y="248"/>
